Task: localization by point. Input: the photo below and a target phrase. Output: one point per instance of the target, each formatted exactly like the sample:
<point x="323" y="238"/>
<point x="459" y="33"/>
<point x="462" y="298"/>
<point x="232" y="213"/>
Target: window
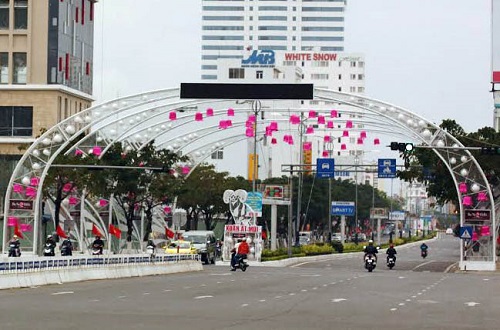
<point x="238" y="73"/>
<point x="219" y="154"/>
<point x="16" y="121"/>
<point x="361" y="64"/>
<point x="352" y="89"/>
<point x="361" y="89"/>
<point x="19" y="68"/>
<point x="361" y="76"/>
<point x="353" y="64"/>
<point x="340" y="77"/>
<point x="20" y="14"/>
<point x="353" y="77"/>
<point x="4" y="14"/>
<point x="259" y="74"/>
<point x="4" y="68"/>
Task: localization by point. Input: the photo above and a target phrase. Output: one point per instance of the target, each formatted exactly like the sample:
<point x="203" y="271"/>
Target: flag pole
<point x="110" y="222"/>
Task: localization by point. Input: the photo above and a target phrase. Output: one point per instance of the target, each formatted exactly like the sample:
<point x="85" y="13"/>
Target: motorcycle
<point x="370" y="262"/>
<point x="49" y="250"/>
<point x="14" y="250"/>
<point x="424" y="253"/>
<point x="66" y="250"/>
<point x="239" y="262"/>
<point x="96" y="250"/>
<point x="150" y="250"/>
<point x="391" y="262"/>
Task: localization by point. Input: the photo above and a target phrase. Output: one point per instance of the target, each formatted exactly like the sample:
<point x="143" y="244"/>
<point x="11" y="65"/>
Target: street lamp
<point x="356" y="163"/>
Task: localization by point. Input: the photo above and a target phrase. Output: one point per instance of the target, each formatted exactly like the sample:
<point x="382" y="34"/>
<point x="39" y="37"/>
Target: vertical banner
<point x="251" y="167"/>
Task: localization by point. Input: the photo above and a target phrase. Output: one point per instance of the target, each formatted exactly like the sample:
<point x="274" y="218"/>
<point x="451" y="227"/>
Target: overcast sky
<point x="429" y="56"/>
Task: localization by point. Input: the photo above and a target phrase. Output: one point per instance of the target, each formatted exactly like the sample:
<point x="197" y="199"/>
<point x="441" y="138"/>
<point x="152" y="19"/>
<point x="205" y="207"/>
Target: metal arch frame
<point x="101" y="119"/>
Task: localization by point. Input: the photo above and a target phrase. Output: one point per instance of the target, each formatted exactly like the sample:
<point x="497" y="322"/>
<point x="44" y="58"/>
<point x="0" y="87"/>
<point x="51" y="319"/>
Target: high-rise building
<point x="229" y="28"/>
<point x="46" y="61"/>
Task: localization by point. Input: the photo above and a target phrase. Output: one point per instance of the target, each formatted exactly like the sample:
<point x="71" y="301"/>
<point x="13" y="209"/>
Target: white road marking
<point x="146" y="293"/>
<point x="121" y="297"/>
<point x="187" y="287"/>
<point x="420" y="293"/>
<point x="262" y="300"/>
<point x="310" y="275"/>
<point x="423" y="264"/>
<point x="315" y="288"/>
<point x="401" y="277"/>
<point x="277" y="297"/>
<point x="333" y="283"/>
<point x="303" y="290"/>
<point x="401" y="304"/>
<point x="203" y="297"/>
<point x="338" y="299"/>
<point x="408" y="300"/>
<point x="62" y="292"/>
<point x="325" y="285"/>
<point x="203" y="285"/>
<point x="414" y="296"/>
<point x="486" y="279"/>
<point x="219" y="282"/>
<point x="168" y="290"/>
<point x="471" y="303"/>
<point x="244" y="305"/>
<point x="393" y="309"/>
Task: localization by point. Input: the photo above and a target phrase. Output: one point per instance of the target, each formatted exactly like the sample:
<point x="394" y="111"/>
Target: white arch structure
<point x="138" y="119"/>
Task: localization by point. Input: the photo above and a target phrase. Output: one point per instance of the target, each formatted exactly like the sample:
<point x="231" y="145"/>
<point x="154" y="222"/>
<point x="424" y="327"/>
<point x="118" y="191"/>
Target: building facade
<point x="46" y="61"/>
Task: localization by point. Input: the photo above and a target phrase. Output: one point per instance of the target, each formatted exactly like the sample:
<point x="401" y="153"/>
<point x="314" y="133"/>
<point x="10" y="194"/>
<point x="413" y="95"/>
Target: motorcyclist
<point x="391" y="253"/>
<point x="151" y="246"/>
<point x="14" y="246"/>
<point x="98" y="244"/>
<point x="423" y="248"/>
<point x="51" y="241"/>
<point x="370" y="249"/>
<point x="241" y="249"/>
<point x="67" y="247"/>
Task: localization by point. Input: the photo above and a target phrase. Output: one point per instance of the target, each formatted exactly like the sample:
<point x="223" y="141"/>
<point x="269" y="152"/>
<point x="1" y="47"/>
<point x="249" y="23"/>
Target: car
<point x="449" y="231"/>
<point x="181" y="247"/>
<point x="205" y="243"/>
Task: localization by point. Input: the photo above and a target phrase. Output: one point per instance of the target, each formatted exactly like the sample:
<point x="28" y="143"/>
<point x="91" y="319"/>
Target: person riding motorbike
<point x="423" y="249"/>
<point x="391" y="253"/>
<point x="98" y="245"/>
<point x="151" y="247"/>
<point x="370" y="249"/>
<point x="241" y="249"/>
<point x="14" y="247"/>
<point x="50" y="246"/>
<point x="67" y="247"/>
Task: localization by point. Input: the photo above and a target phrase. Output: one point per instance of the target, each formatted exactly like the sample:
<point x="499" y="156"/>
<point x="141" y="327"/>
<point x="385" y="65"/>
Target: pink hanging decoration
<point x="345" y="133"/>
<point x="17" y="188"/>
<point x="467" y="201"/>
<point x="269" y="131"/>
<point x="78" y="152"/>
<point x="343" y="147"/>
<point x="482" y="197"/>
<point x="12" y="221"/>
<point x="286" y="138"/>
<point x="273" y="126"/>
<point x="327" y="138"/>
<point x="294" y="120"/>
<point x="474" y="236"/>
<point x="229" y="123"/>
<point x="30" y="192"/>
<point x="34" y="181"/>
<point x="26" y="227"/>
<point x="333" y="113"/>
<point x="222" y="124"/>
<point x="310" y="130"/>
<point x="249" y="132"/>
<point x="360" y="141"/>
<point x="290" y="140"/>
<point x="67" y="187"/>
<point x="198" y="116"/>
<point x="348" y="124"/>
<point x="230" y="112"/>
<point x="103" y="202"/>
<point x="307" y="145"/>
<point x="329" y="124"/>
<point x="362" y="134"/>
<point x="325" y="153"/>
<point x="462" y="187"/>
<point x="376" y="141"/>
<point x="252" y="118"/>
<point x="167" y="209"/>
<point x="172" y="115"/>
<point x="485" y="231"/>
<point x="321" y="120"/>
<point x="210" y="112"/>
<point x="274" y="141"/>
<point x="249" y="124"/>
<point x="72" y="200"/>
<point x="312" y="114"/>
<point x="185" y="169"/>
<point x="96" y="150"/>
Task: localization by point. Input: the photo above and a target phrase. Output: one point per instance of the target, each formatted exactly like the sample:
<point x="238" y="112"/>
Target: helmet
<point x="49" y="236"/>
<point x="15" y="236"/>
<point x="370" y="242"/>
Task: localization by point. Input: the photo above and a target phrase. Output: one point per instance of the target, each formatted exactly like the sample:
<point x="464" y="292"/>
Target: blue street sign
<point x="325" y="168"/>
<point x="466" y="232"/>
<point x="342" y="208"/>
<point x="386" y="168"/>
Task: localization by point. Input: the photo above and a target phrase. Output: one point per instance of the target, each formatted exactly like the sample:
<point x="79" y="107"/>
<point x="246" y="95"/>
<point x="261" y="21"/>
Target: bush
<point x="316" y="249"/>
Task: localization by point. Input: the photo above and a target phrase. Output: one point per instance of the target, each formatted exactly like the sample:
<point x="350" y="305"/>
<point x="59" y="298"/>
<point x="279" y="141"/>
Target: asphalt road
<point x="333" y="294"/>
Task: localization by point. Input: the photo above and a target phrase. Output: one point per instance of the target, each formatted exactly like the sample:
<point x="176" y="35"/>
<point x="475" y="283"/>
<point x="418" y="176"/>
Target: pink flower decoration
<point x="290" y="140"/>
<point x="376" y="141"/>
<point x="325" y="153"/>
<point x="167" y="209"/>
<point x="310" y="130"/>
<point x="17" y="188"/>
<point x="249" y="124"/>
<point x="249" y="132"/>
<point x="462" y="187"/>
<point x="326" y="138"/>
<point x="321" y="120"/>
<point x="467" y="201"/>
<point x="252" y="118"/>
<point x="30" y="192"/>
<point x="482" y="197"/>
<point x="12" y="221"/>
<point x="345" y="133"/>
<point x="333" y="113"/>
<point x="269" y="132"/>
<point x="312" y="114"/>
<point x="274" y="141"/>
<point x="78" y="152"/>
<point x="222" y="124"/>
<point x="96" y="150"/>
<point x="72" y="200"/>
<point x="343" y="147"/>
<point x="273" y="126"/>
<point x="362" y="134"/>
<point x="360" y="141"/>
<point x="210" y="112"/>
<point x="485" y="231"/>
<point x="329" y="124"/>
<point x="294" y="120"/>
<point x="229" y="123"/>
<point x="67" y="187"/>
<point x="103" y="202"/>
<point x="307" y="145"/>
<point x="185" y="170"/>
<point x="198" y="116"/>
<point x="286" y="138"/>
<point x="474" y="236"/>
<point x="348" y="124"/>
<point x="26" y="227"/>
<point x="230" y="112"/>
<point x="35" y="181"/>
<point x="172" y="115"/>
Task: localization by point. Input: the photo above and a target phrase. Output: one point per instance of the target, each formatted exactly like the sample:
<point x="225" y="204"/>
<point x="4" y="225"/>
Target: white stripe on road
<point x="423" y="264"/>
<point x="62" y="292"/>
<point x="203" y="297"/>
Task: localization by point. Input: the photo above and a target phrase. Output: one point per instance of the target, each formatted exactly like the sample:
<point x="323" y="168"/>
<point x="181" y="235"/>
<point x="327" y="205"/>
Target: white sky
<point x="429" y="56"/>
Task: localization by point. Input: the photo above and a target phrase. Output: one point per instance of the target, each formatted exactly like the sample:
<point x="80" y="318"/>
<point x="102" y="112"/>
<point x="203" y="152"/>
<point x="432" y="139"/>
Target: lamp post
<point x="356" y="163"/>
<point x="256" y="107"/>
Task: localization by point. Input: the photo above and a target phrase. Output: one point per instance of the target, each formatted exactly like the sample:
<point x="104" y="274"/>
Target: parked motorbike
<point x="14" y="250"/>
<point x="49" y="250"/>
<point x="370" y="262"/>
<point x="150" y="249"/>
<point x="239" y="262"/>
<point x="391" y="262"/>
<point x="66" y="250"/>
<point x="96" y="250"/>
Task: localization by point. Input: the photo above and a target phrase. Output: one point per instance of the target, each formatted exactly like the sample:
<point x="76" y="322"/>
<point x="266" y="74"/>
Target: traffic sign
<point x="466" y="232"/>
<point x="325" y="168"/>
<point x="386" y="168"/>
<point x="343" y="208"/>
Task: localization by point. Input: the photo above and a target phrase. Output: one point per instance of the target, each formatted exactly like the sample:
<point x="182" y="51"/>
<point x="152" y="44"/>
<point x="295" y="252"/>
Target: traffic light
<point x="402" y="146"/>
<point x="490" y="151"/>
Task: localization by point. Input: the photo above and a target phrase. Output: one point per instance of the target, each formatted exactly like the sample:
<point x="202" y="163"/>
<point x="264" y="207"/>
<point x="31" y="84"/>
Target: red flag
<point x="114" y="230"/>
<point x="169" y="233"/>
<point x="60" y="232"/>
<point x="18" y="232"/>
<point x="96" y="231"/>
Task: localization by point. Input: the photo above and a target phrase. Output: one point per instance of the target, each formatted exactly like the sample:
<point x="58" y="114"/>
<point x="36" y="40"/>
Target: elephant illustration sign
<point x="237" y="206"/>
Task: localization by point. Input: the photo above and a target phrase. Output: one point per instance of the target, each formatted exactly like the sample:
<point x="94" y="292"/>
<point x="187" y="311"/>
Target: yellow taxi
<point x="180" y="247"/>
